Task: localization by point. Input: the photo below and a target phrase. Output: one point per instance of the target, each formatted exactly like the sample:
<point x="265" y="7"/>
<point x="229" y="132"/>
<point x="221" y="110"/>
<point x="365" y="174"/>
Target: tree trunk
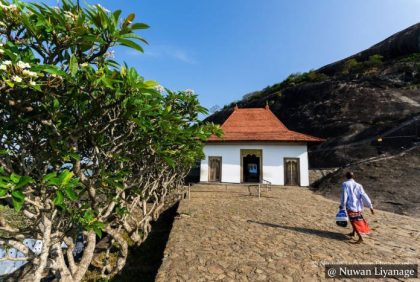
<point x="87" y="257"/>
<point x="40" y="268"/>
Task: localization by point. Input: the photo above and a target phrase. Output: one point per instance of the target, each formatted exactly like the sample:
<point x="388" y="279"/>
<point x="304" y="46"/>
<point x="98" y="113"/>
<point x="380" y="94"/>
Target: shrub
<point x="411" y="58"/>
<point x="350" y="65"/>
<point x="297" y="78"/>
<point x="374" y="61"/>
<point x="250" y="95"/>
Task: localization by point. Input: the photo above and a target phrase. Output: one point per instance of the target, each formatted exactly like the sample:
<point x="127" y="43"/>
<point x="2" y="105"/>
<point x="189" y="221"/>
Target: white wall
<point x="272" y="156"/>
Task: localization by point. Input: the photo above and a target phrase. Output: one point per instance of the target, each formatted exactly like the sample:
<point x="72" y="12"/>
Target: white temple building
<point x="256" y="147"/>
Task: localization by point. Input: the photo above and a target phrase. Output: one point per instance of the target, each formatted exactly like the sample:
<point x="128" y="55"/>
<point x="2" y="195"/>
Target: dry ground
<point x="286" y="235"/>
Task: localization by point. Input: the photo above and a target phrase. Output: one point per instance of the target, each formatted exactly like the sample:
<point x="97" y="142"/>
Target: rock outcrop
<point x="367" y="106"/>
<point x="373" y="94"/>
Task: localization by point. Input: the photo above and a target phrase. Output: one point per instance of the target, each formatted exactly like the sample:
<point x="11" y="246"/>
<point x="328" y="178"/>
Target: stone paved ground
<point x="286" y="235"/>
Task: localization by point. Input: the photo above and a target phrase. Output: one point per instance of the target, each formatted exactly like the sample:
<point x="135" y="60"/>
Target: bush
<point x="374" y="61"/>
<point x="250" y="95"/>
<point x="411" y="58"/>
<point x="353" y="66"/>
<point x="297" y="78"/>
<point x="350" y="65"/>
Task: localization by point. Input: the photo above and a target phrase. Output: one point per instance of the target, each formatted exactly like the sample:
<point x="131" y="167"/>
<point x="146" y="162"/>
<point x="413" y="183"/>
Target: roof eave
<point x="264" y="140"/>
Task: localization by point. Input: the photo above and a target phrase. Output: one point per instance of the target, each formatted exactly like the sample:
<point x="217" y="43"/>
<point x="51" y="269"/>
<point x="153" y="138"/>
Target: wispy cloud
<point x="182" y="56"/>
<point x="166" y="52"/>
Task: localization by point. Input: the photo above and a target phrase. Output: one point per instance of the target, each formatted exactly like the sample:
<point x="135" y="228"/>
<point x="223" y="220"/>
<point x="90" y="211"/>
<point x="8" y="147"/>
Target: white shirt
<point x="353" y="195"/>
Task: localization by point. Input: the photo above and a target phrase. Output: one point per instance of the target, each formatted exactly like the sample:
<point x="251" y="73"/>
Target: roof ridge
<point x="278" y="120"/>
<point x="230" y="116"/>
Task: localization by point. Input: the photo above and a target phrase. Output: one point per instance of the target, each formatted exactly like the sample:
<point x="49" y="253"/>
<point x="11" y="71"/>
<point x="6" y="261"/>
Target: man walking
<point x="352" y="197"/>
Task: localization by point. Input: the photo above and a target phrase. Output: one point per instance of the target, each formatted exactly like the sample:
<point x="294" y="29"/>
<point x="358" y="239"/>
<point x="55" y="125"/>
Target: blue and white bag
<point x="341" y="218"/>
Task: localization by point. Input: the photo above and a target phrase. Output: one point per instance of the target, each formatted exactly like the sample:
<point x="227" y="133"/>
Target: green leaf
<point x="56" y="104"/>
<point x="70" y="193"/>
<point x="3" y="192"/>
<point x="123" y="71"/>
<point x="139" y="26"/>
<point x="18" y="195"/>
<point x="113" y="63"/>
<point x="134" y="36"/>
<point x="9" y="83"/>
<point x="116" y="15"/>
<point x="59" y="198"/>
<point x="49" y="176"/>
<point x="107" y="81"/>
<point x="50" y="69"/>
<point x="169" y="161"/>
<point x="131" y="44"/>
<point x="98" y="226"/>
<point x="5" y="182"/>
<point x="18" y="198"/>
<point x="14" y="178"/>
<point x="98" y="231"/>
<point x="24" y="180"/>
<point x="73" y="65"/>
<point x="17" y="205"/>
<point x="88" y="216"/>
<point x="65" y="177"/>
<point x="150" y="83"/>
<point x="75" y="156"/>
<point x="128" y="20"/>
<point x="103" y="18"/>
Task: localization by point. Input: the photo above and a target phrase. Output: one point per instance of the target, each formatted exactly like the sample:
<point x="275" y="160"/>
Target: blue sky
<point x="224" y="49"/>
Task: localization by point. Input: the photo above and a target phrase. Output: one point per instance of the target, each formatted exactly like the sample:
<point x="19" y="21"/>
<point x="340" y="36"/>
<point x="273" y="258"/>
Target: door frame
<point x="258" y="153"/>
<point x="285" y="169"/>
<point x="220" y="167"/>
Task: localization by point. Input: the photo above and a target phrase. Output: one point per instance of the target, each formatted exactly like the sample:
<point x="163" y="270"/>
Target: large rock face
<point x="366" y="106"/>
<point x="391" y="182"/>
<point x="352" y="106"/>
<point x="403" y="43"/>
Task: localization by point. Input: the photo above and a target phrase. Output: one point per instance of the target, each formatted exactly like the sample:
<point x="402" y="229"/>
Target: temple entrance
<point x="291" y="172"/>
<point x="215" y="169"/>
<point x="251" y="166"/>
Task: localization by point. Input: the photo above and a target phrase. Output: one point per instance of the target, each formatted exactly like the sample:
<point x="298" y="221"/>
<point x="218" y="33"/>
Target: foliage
<point x="354" y="66"/>
<point x="375" y="60"/>
<point x="350" y="65"/>
<point x="250" y="95"/>
<point x="85" y="142"/>
<point x="310" y="76"/>
<point x="415" y="57"/>
<point x="292" y="80"/>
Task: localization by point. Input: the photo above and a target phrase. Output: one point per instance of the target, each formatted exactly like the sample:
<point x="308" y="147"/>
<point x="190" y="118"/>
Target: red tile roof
<point x="258" y="124"/>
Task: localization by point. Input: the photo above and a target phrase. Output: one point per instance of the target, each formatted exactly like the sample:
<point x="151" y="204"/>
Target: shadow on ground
<point x="320" y="233"/>
<point x="143" y="262"/>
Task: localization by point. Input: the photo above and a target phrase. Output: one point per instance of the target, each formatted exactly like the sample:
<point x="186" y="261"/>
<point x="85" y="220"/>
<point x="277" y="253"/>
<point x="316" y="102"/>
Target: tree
<point x="85" y="142"/>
